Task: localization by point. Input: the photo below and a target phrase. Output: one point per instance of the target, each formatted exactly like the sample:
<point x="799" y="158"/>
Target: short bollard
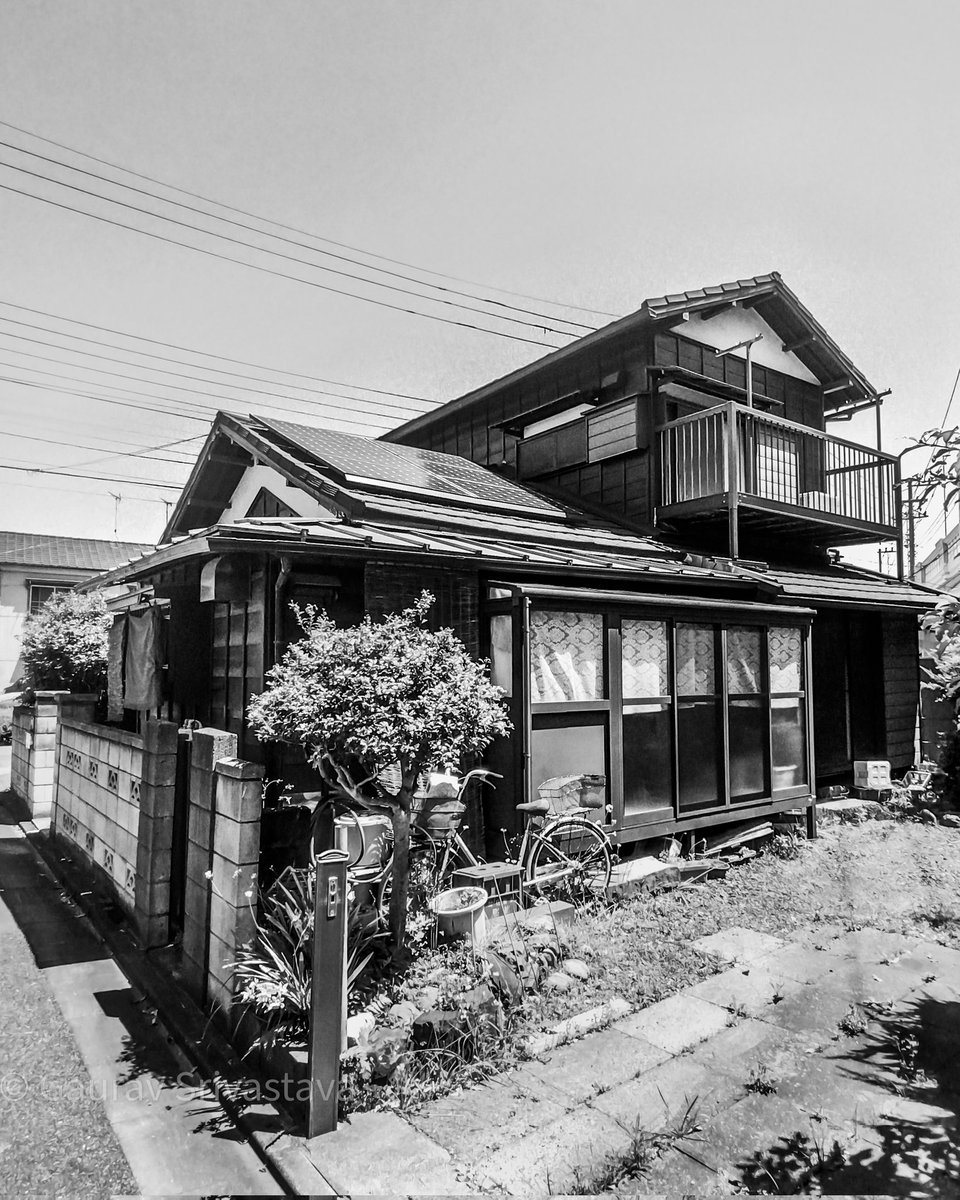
<point x="328" y="1000"/>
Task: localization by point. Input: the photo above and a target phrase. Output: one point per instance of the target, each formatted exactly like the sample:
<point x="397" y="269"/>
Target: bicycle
<point x="564" y="855"/>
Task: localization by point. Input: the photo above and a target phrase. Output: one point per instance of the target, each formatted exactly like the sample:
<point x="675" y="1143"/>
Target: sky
<point x="550" y="154"/>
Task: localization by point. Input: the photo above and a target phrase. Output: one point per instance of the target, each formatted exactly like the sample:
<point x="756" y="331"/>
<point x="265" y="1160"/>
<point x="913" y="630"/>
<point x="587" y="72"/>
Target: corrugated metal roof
<point x="81" y="554"/>
<point x="848" y="585"/>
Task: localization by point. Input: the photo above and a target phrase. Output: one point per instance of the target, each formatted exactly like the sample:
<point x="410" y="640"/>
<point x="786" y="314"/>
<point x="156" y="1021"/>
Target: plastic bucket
<point x="376" y="836"/>
<point x="461" y="912"/>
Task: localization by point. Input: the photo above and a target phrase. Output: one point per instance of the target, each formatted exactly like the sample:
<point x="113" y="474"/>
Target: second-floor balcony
<point x="771" y="477"/>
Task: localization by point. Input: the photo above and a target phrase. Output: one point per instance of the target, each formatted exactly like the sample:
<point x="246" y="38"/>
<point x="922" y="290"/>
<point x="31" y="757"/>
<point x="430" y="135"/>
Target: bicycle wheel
<point x="569" y="860"/>
<point x="422" y="876"/>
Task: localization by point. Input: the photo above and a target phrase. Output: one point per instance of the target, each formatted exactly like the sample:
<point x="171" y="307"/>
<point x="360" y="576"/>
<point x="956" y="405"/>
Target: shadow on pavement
<point x="909" y="1145"/>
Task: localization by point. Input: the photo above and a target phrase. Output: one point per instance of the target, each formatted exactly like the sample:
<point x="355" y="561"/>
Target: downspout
<point x="283" y="576"/>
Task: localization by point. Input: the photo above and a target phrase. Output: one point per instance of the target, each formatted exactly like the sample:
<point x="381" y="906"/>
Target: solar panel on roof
<point x="422" y="471"/>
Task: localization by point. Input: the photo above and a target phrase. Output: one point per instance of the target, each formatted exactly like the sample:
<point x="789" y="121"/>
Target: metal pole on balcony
<point x="732" y="455"/>
<point x="748" y="345"/>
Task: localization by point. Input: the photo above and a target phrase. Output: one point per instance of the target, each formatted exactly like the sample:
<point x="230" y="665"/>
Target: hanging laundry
<point x="116" y="640"/>
<point x="142" y="682"/>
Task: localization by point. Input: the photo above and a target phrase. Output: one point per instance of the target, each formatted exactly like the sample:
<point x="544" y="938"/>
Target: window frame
<point x="609" y="710"/>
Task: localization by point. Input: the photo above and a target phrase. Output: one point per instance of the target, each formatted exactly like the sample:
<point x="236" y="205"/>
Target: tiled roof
<point x="81" y="554"/>
<point x="848" y="585"/>
<point x="716" y="292"/>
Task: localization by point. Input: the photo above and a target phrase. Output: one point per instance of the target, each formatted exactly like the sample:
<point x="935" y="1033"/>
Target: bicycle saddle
<point x="534" y="806"/>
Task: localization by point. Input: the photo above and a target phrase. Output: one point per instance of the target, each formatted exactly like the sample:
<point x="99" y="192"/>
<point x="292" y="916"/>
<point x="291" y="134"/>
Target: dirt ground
<point x="899" y="877"/>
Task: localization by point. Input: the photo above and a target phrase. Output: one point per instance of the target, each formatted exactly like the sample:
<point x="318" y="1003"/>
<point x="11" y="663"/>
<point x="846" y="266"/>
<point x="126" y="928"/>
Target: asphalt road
<point x="95" y="1100"/>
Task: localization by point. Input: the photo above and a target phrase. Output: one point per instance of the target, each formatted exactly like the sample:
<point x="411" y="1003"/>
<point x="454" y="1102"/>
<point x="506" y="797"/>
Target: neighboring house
<point x="941" y="568"/>
<point x="636" y="530"/>
<point x="34" y="566"/>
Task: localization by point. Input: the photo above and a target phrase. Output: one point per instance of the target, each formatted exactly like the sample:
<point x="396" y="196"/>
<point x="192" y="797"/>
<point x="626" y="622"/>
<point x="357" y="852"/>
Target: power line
<point x="305" y="233"/>
<point x="177" y="487"/>
<point x="235" y="401"/>
<point x="262" y="250"/>
<point x="206" y="353"/>
<point x="263" y="233"/>
<point x="202" y="366"/>
<point x="306" y="246"/>
<point x="27" y="437"/>
<point x="384" y="405"/>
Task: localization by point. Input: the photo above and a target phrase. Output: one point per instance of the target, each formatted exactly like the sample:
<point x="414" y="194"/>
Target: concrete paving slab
<point x="930" y="958"/>
<point x="748" y="1139"/>
<point x="596" y="1063"/>
<point x="380" y="1154"/>
<point x="545" y="1161"/>
<point x="473" y="1124"/>
<point x="803" y="963"/>
<point x="746" y="989"/>
<point x="874" y="946"/>
<point x="812" y="1010"/>
<point x="740" y="1050"/>
<point x="736" y="945"/>
<point x="680" y="1172"/>
<point x="658" y="1098"/>
<point x="675" y="1024"/>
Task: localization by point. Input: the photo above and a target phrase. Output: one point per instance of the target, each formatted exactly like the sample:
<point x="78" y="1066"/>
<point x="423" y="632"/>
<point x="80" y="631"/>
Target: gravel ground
<point x="55" y="1139"/>
<point x="898" y="877"/>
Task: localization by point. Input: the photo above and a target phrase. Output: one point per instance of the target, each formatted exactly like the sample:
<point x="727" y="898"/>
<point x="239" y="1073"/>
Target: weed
<point x="738" y="1013"/>
<point x="796" y="1167"/>
<point x="633" y="1163"/>
<point x="760" y="1081"/>
<point x="853" y="1022"/>
<point x="908" y="1049"/>
<point x="785" y="844"/>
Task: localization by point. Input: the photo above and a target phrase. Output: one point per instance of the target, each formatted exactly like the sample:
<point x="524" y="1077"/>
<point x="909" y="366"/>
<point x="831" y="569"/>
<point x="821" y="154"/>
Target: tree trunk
<point x="400" y="817"/>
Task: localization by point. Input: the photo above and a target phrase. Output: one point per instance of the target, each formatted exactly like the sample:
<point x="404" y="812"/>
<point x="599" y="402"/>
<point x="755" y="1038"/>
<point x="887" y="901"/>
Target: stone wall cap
<point x="238" y="768"/>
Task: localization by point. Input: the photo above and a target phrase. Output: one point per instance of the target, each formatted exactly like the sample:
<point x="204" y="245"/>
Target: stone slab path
<point x="839" y="1063"/>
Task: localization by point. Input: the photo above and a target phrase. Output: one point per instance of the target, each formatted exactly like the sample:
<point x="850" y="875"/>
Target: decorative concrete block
<point x="238" y="841"/>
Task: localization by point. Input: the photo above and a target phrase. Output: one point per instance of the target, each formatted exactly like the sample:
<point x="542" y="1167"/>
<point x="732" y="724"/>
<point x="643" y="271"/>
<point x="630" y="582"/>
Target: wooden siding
<point x="901" y="687"/>
<point x="612" y="431"/>
<point x="801" y="401"/>
<point x="238" y="658"/>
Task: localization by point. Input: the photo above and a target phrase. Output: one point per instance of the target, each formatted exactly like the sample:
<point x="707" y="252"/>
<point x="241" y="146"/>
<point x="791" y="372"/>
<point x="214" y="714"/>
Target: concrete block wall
<point x="155" y="832"/>
<point x="209" y="747"/>
<point x="34" y="747"/>
<point x="98" y="798"/>
<point x="233" y="886"/>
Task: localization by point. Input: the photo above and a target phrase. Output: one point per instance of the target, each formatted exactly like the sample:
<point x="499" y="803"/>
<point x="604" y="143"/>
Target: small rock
<point x="404" y="1012"/>
<point x="558" y="981"/>
<point x="358" y="1025"/>
<point x="427" y="998"/>
<point x="950" y="819"/>
<point x="577" y="968"/>
<point x="928" y="816"/>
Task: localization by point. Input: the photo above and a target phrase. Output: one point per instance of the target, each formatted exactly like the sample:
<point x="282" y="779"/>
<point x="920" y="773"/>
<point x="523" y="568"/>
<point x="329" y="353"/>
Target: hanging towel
<point x="142" y="676"/>
<point x="115" y="647"/>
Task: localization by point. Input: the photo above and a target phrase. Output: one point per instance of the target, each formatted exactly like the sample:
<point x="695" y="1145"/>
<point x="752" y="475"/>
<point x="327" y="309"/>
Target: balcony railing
<point x="732" y="455"/>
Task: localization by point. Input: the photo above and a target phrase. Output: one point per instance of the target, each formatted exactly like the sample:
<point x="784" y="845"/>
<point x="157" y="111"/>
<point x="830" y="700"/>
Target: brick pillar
<point x="209" y="746"/>
<point x="155" y="833"/>
<point x="236" y="858"/>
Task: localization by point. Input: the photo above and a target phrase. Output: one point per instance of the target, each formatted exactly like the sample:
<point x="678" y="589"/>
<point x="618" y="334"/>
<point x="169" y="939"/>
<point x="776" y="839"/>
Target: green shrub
<point x="64" y="645"/>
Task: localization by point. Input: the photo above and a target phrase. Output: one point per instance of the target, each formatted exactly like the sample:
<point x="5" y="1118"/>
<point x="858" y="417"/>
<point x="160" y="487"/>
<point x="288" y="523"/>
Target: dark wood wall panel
<point x="901" y="687"/>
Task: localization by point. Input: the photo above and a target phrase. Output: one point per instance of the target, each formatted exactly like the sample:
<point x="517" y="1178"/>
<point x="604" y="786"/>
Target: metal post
<point x="328" y="999"/>
<point x="733" y="481"/>
<point x="911" y="533"/>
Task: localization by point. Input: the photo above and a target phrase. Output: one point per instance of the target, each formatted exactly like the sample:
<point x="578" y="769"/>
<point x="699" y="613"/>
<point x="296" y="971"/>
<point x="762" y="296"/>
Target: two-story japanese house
<point x="639" y="530"/>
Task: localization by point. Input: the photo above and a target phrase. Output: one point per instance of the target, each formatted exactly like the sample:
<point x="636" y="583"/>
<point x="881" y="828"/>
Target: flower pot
<point x="377" y="831"/>
<point x="460" y="912"/>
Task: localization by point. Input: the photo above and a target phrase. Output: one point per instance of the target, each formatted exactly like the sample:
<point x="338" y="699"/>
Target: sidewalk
<point x="94" y="1098"/>
<point x="882" y="1082"/>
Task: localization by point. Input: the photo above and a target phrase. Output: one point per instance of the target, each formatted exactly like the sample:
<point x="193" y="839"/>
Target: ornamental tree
<point x="374" y="695"/>
<point x="64" y="645"/>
